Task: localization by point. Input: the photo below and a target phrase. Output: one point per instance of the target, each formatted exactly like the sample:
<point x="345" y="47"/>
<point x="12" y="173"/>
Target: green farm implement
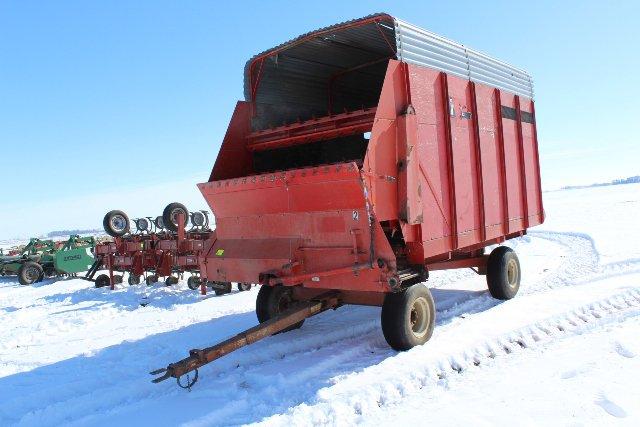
<point x="47" y="258"/>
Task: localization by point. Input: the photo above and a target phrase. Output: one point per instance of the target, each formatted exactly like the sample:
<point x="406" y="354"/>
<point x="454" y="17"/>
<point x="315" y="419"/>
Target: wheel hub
<point x="118" y="223"/>
<point x="419" y="317"/>
<point x="512" y="272"/>
<point x="32" y="273"/>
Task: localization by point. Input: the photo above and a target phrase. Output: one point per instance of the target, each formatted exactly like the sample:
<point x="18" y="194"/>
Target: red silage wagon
<point x="366" y="155"/>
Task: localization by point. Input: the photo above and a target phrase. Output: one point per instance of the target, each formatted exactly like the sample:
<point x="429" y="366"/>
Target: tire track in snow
<point x="349" y="402"/>
<point x="360" y="339"/>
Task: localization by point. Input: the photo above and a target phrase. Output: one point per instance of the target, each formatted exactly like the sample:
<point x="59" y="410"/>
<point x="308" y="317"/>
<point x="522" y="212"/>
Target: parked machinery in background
<point x="148" y="248"/>
<point x="41" y="259"/>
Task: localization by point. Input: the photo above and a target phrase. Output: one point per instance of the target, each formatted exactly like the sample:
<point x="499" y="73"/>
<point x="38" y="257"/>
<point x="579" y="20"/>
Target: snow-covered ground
<point x="565" y="351"/>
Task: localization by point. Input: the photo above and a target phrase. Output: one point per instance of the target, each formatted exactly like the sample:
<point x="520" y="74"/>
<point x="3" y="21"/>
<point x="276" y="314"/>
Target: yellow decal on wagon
<point x="220" y="252"/>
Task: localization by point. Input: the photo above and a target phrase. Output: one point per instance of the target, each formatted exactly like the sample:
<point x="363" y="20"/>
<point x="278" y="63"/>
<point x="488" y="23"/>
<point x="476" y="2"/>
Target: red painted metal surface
<point x="445" y="168"/>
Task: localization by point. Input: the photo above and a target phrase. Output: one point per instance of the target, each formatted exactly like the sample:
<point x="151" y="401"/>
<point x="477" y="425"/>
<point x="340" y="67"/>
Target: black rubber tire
<point x="168" y="215"/>
<point x="408" y="317"/>
<point x="116" y="223"/>
<point x="171" y="280"/>
<point x="193" y="283"/>
<point x="102" y="281"/>
<point x="117" y="279"/>
<point x="150" y="280"/>
<point x="133" y="279"/>
<point x="244" y="287"/>
<point x="159" y="223"/>
<point x="503" y="273"/>
<point x="261" y="303"/>
<point x="199" y="219"/>
<point x="142" y="225"/>
<point x="50" y="272"/>
<point x="226" y="290"/>
<point x="29" y="273"/>
<point x="273" y="300"/>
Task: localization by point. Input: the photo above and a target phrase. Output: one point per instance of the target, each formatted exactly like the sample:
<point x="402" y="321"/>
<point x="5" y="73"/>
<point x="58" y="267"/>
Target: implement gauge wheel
<point x="226" y="290"/>
<point x="102" y="281"/>
<point x="408" y="317"/>
<point x="170" y="215"/>
<point x="133" y="279"/>
<point x="116" y="223"/>
<point x="273" y="300"/>
<point x="29" y="273"/>
<point x="503" y="273"/>
<point x="244" y="286"/>
<point x="199" y="219"/>
<point x="159" y="223"/>
<point x="193" y="282"/>
<point x="142" y="224"/>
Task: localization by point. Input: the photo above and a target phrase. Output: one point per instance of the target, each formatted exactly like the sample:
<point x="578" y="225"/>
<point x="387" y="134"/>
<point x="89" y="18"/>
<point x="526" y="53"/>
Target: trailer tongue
<point x="288" y="318"/>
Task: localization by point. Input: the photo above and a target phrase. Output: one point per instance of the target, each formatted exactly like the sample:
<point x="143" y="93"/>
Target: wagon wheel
<point x="273" y="300"/>
<point x="171" y="280"/>
<point x="408" y="317"/>
<point x="503" y="273"/>
<point x="151" y="279"/>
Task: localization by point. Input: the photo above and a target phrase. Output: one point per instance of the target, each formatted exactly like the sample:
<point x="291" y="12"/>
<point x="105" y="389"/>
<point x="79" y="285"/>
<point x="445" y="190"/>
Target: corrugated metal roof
<point x="360" y="40"/>
<point x="418" y="46"/>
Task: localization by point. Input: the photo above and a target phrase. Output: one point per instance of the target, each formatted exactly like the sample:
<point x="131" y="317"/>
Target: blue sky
<point x="105" y="97"/>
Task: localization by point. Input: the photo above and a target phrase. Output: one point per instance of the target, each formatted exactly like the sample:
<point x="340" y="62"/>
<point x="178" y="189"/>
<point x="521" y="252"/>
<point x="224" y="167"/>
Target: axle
<point x="293" y="315"/>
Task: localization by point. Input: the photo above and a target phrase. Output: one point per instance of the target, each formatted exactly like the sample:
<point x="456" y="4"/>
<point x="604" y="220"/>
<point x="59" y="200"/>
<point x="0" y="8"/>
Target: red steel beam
<point x="479" y="262"/>
<point x="521" y="161"/>
<point x="322" y="128"/>
<point x="451" y="175"/>
<point x="478" y="149"/>
<point x="537" y="159"/>
<point x="503" y="166"/>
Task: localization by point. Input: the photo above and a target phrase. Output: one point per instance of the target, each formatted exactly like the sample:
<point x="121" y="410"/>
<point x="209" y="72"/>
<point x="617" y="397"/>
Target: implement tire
<point x="193" y="282"/>
<point x="226" y="290"/>
<point x="116" y="223"/>
<point x="503" y="273"/>
<point x="408" y="317"/>
<point x="169" y="216"/>
<point x="244" y="287"/>
<point x="273" y="300"/>
<point x="29" y="273"/>
<point x="102" y="281"/>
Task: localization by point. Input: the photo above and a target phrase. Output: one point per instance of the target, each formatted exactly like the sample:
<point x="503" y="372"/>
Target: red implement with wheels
<point x="159" y="252"/>
<point x="366" y="155"/>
